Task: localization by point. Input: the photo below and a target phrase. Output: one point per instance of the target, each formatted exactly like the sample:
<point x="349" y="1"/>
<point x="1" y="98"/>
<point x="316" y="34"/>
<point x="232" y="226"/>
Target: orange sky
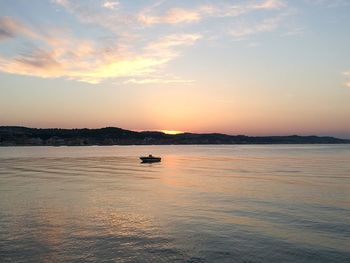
<point x="239" y="67"/>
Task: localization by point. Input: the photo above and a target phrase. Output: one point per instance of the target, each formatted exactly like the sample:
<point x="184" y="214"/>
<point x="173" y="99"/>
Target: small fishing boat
<point x="150" y="159"/>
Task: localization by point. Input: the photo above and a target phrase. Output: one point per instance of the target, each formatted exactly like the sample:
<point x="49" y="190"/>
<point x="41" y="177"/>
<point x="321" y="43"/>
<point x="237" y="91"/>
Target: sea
<point x="209" y="203"/>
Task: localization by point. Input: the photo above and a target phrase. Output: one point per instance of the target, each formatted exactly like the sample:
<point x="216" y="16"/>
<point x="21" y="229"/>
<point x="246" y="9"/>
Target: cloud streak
<point x="131" y="53"/>
<point x="111" y="5"/>
<point x="241" y="31"/>
<point x="347" y="76"/>
<point x="330" y="3"/>
<point x="11" y="28"/>
<point x="173" y="16"/>
<point x="179" y="15"/>
<point x="76" y="59"/>
<point x="159" y="81"/>
<point x="157" y="15"/>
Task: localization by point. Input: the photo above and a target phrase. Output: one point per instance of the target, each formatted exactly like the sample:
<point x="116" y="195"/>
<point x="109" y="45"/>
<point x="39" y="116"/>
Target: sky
<point x="254" y="67"/>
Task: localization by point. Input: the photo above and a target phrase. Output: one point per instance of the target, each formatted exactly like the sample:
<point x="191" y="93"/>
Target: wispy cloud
<point x="165" y="45"/>
<point x="330" y="3"/>
<point x="87" y="61"/>
<point x="269" y="4"/>
<point x="240" y="31"/>
<point x="179" y="15"/>
<point x="163" y="80"/>
<point x="131" y="53"/>
<point x="297" y="31"/>
<point x="156" y="14"/>
<point x="172" y="16"/>
<point x="347" y="76"/>
<point x="125" y="22"/>
<point x="111" y="5"/>
<point x="64" y="3"/>
<point x="234" y="10"/>
<point x="10" y="28"/>
<point x="95" y="13"/>
<point x="50" y="65"/>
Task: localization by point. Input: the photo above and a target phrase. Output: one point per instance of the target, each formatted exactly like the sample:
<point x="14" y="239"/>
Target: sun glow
<point x="171" y="132"/>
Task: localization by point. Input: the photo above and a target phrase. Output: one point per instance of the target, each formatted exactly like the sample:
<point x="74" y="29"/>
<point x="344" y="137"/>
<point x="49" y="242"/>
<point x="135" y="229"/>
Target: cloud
<point x="234" y="10"/>
<point x="347" y="76"/>
<point x="159" y="81"/>
<point x="330" y="3"/>
<point x="151" y="15"/>
<point x="155" y="55"/>
<point x="39" y="59"/>
<point x="297" y="31"/>
<point x="92" y="12"/>
<point x="173" y="16"/>
<point x="64" y="3"/>
<point x="131" y="52"/>
<point x="48" y="65"/>
<point x="10" y="28"/>
<point x="241" y="31"/>
<point x="124" y="23"/>
<point x="179" y="15"/>
<point x="39" y="63"/>
<point x="111" y="5"/>
<point x="166" y="43"/>
<point x="269" y="4"/>
<point x="87" y="61"/>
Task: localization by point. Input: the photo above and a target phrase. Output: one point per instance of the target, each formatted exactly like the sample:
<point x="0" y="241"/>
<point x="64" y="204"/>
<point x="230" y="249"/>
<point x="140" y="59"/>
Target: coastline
<point x="110" y="136"/>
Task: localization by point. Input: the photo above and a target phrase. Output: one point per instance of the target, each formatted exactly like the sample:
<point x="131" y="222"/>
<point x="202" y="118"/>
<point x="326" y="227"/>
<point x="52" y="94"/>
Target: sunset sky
<point x="239" y="67"/>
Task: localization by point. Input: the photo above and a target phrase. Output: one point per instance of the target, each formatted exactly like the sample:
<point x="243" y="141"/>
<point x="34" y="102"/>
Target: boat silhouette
<point x="150" y="159"/>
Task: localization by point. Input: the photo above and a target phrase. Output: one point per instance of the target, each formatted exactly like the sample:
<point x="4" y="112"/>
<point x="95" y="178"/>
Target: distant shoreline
<point x="136" y="145"/>
<point x="23" y="136"/>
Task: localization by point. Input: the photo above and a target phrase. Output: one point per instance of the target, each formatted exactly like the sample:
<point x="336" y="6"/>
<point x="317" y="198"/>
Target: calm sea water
<point x="200" y="204"/>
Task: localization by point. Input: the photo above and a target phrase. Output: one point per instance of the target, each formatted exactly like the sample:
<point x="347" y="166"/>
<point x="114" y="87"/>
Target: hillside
<point x="21" y="136"/>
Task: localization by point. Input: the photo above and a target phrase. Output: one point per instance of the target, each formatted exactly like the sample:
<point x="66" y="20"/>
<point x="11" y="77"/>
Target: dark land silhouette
<point x="23" y="136"/>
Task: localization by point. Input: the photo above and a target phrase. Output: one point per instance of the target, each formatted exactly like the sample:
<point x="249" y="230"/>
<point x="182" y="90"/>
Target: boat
<point x="150" y="159"/>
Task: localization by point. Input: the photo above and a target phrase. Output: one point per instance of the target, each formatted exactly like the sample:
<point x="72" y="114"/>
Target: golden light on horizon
<point x="171" y="132"/>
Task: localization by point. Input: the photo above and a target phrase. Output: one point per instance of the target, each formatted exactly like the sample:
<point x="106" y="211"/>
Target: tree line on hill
<point x="23" y="136"/>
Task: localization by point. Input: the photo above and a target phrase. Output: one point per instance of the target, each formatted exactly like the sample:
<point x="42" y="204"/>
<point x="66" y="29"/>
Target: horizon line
<point x="180" y="132"/>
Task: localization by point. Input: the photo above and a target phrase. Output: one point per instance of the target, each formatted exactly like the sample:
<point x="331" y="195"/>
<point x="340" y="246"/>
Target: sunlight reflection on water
<point x="200" y="204"/>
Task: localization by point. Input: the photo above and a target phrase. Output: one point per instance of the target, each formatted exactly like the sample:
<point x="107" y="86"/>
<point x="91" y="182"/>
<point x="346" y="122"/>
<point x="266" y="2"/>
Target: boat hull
<point x="150" y="159"/>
